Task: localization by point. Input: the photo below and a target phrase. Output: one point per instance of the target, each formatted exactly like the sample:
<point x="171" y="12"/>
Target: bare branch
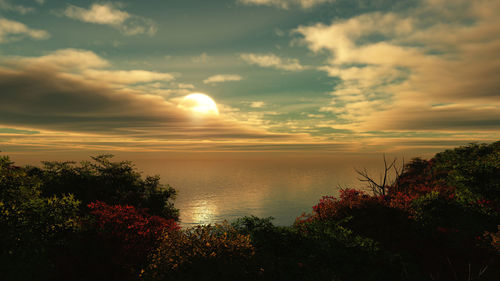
<point x="384" y="181"/>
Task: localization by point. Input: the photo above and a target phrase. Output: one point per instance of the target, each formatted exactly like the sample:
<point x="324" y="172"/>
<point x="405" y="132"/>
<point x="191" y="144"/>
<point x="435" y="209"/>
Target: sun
<point x="199" y="103"/>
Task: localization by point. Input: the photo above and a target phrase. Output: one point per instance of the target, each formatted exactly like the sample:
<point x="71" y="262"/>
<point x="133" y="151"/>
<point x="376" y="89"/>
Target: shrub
<point x="200" y="253"/>
<point x="135" y="231"/>
<point x="473" y="169"/>
<point x="115" y="242"/>
<point x="34" y="230"/>
<point x="47" y="234"/>
<point x="34" y="234"/>
<point x="115" y="183"/>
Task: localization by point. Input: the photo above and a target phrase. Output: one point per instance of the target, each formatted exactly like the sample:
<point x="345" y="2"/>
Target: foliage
<point x="46" y="233"/>
<point x="200" y="253"/>
<point x="33" y="228"/>
<point x="315" y="250"/>
<point x="115" y="242"/>
<point x="472" y="171"/>
<point x="15" y="185"/>
<point x="495" y="239"/>
<point x="474" y="168"/>
<point x="135" y="232"/>
<point x="115" y="183"/>
<point x="33" y="234"/>
<point x="281" y="253"/>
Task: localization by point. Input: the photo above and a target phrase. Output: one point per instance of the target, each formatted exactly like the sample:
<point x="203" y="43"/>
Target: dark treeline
<point x="438" y="219"/>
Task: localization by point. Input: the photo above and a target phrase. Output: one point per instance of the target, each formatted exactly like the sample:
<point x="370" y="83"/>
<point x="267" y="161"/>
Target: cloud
<point x="7" y="6"/>
<point x="222" y="78"/>
<point x="100" y="14"/>
<point x="271" y="60"/>
<point x="89" y="66"/>
<point x="12" y="31"/>
<point x="203" y="58"/>
<point x="49" y="95"/>
<point x="395" y="67"/>
<point x="185" y="86"/>
<point x="110" y="14"/>
<point x="257" y="104"/>
<point x="452" y="117"/>
<point x="66" y="59"/>
<point x="286" y="4"/>
<point x="127" y="76"/>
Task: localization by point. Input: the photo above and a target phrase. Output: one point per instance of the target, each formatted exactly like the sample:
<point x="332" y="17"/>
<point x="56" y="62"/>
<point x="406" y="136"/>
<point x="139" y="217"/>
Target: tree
<point x="115" y="183"/>
<point x="33" y="229"/>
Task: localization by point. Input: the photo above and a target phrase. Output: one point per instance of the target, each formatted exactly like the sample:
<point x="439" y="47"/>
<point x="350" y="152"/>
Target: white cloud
<point x="417" y="61"/>
<point x="110" y="14"/>
<point x="203" y="58"/>
<point x="257" y="104"/>
<point x="68" y="59"/>
<point x="164" y="89"/>
<point x="285" y="4"/>
<point x="12" y="31"/>
<point x="127" y="76"/>
<point x="315" y="115"/>
<point x="222" y="78"/>
<point x="271" y="60"/>
<point x="100" y="14"/>
<point x="88" y="65"/>
<point x="7" y="6"/>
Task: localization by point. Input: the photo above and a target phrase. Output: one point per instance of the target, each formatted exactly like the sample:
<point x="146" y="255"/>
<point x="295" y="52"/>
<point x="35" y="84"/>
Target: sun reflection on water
<point x="204" y="212"/>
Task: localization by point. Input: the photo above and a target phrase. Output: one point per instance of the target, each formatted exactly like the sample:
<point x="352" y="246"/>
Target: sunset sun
<point x="200" y="104"/>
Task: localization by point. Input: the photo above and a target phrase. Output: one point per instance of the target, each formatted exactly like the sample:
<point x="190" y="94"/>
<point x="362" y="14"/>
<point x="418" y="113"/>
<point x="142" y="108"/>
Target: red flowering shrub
<point x="332" y="208"/>
<point x="136" y="230"/>
<point x="123" y="237"/>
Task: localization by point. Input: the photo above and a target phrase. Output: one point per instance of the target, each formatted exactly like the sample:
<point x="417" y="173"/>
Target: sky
<point x="286" y="75"/>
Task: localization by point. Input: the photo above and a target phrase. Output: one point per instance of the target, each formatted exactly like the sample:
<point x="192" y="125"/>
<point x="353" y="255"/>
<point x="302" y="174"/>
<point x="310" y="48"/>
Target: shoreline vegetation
<point x="439" y="219"/>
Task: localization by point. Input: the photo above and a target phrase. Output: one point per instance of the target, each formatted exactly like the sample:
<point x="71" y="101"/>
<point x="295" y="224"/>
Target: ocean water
<point x="213" y="190"/>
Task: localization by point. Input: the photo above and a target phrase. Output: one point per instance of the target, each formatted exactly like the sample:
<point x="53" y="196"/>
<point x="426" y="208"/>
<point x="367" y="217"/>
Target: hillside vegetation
<point x="101" y="220"/>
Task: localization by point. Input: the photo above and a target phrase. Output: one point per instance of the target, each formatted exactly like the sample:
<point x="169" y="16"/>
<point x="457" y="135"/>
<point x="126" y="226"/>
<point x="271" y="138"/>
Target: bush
<point x="473" y="169"/>
<point x="34" y="234"/>
<point x="364" y="231"/>
<point x="34" y="230"/>
<point x="115" y="242"/>
<point x="134" y="232"/>
<point x="201" y="253"/>
<point x="115" y="183"/>
<point x="46" y="233"/>
<point x="281" y="253"/>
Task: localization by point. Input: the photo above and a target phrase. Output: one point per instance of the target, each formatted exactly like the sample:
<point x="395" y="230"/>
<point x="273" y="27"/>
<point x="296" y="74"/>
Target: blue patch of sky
<point x="371" y="39"/>
<point x="440" y="104"/>
<point x="320" y="131"/>
<point x="17" y="131"/>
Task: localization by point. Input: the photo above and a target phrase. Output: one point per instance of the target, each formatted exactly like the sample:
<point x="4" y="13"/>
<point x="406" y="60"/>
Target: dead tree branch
<point x="380" y="188"/>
